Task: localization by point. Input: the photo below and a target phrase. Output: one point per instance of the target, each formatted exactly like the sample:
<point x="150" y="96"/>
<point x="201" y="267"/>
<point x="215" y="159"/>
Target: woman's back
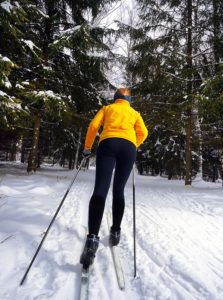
<point x="119" y="121"/>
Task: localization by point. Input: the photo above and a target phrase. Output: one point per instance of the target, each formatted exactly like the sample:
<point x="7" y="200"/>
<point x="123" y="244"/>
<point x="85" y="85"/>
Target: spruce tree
<point x="172" y="52"/>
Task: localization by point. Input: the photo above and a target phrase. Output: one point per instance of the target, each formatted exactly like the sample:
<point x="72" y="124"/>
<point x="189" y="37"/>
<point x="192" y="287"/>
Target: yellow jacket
<point x="119" y="120"/>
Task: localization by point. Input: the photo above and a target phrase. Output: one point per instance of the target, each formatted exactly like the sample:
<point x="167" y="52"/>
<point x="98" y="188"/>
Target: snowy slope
<point x="179" y="238"/>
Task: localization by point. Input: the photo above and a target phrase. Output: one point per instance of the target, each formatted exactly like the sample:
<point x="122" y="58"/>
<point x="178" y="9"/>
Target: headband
<point x="120" y="96"/>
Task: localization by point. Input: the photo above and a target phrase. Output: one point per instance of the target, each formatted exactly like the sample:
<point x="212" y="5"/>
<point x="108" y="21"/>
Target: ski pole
<point x="134" y="219"/>
<point x="51" y="223"/>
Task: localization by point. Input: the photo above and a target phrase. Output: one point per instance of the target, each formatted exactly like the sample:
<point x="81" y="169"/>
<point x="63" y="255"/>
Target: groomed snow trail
<point x="55" y="273"/>
<point x="179" y="240"/>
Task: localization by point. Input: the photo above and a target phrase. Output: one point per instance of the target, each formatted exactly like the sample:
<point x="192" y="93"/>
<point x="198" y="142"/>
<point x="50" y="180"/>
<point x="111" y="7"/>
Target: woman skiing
<point x="123" y="132"/>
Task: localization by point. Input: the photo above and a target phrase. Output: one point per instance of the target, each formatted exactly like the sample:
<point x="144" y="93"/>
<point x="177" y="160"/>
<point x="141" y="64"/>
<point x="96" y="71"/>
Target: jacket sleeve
<point x="93" y="128"/>
<point x="141" y="130"/>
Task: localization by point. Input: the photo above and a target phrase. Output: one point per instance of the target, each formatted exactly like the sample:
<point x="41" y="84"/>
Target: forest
<point x="57" y="60"/>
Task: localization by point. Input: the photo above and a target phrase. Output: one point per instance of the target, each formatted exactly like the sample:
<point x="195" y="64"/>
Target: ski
<point x="85" y="273"/>
<point x="116" y="260"/>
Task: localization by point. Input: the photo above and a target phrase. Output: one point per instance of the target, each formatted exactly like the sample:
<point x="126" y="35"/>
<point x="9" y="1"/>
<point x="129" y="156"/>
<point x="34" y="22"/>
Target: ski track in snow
<point x="179" y="240"/>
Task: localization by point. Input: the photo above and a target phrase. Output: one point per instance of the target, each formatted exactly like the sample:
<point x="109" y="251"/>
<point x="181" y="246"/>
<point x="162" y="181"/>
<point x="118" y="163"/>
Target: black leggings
<point x="118" y="153"/>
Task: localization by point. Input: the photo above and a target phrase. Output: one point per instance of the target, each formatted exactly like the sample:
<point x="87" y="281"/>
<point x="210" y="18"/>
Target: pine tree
<point x="172" y="53"/>
<point x="12" y="18"/>
<point x="79" y="57"/>
<point x="61" y="74"/>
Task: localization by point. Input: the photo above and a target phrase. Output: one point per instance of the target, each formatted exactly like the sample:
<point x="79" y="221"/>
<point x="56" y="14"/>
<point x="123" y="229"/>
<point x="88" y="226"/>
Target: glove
<point x="86" y="153"/>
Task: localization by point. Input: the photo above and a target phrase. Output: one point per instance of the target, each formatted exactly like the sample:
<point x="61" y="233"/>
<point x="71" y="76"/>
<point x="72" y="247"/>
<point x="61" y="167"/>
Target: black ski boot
<point x="90" y="248"/>
<point x="114" y="237"/>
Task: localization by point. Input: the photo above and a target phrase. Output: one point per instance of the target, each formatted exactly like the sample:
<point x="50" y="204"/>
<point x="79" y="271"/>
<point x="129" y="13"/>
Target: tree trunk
<point x="13" y="152"/>
<point x="217" y="33"/>
<point x="196" y="88"/>
<point x="63" y="159"/>
<point x="70" y="165"/>
<point x="215" y="173"/>
<point x="188" y="177"/>
<point x="78" y="150"/>
<point x="32" y="161"/>
<point x="23" y="151"/>
<point x="222" y="167"/>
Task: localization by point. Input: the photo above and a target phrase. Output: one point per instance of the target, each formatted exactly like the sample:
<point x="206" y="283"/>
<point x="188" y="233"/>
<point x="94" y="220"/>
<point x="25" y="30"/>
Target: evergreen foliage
<point x="166" y="66"/>
<point x="53" y="63"/>
<point x="52" y="66"/>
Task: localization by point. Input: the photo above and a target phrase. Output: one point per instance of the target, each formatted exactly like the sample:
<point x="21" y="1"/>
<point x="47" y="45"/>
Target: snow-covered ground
<point x="179" y="238"/>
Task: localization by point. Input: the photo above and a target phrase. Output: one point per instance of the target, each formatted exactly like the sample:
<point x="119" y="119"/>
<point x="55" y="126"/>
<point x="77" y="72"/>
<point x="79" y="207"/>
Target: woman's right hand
<point x="86" y="153"/>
